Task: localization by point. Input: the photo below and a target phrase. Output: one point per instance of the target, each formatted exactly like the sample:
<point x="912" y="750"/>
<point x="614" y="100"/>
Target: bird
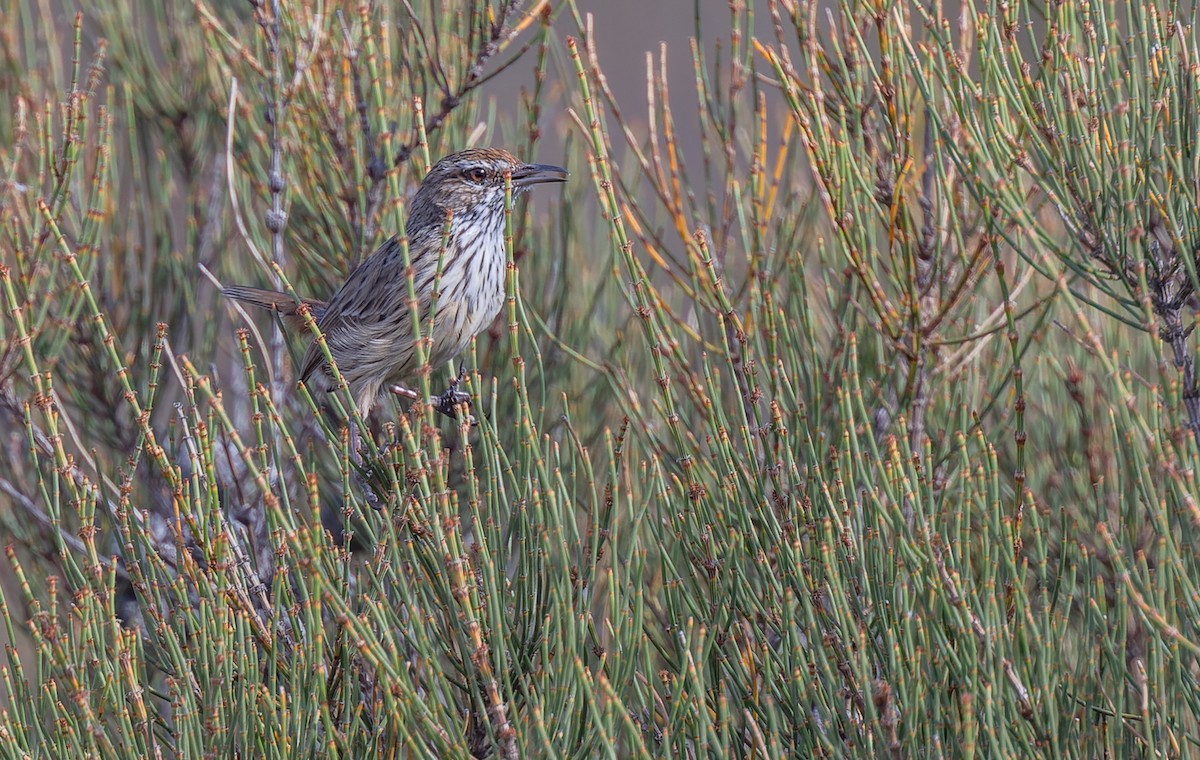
<point x="367" y="322"/>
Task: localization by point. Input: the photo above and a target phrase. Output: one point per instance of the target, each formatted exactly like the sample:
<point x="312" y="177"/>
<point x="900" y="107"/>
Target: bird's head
<point x="472" y="182"/>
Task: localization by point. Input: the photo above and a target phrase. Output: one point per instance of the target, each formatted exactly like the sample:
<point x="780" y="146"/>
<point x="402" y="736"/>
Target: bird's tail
<point x="281" y="303"/>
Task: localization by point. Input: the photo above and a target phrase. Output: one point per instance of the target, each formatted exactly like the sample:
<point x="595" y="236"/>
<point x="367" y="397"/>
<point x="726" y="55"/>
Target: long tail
<point x="281" y="303"/>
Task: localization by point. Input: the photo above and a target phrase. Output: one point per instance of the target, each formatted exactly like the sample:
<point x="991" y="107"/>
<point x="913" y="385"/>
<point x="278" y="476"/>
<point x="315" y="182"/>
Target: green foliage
<point x="866" y="425"/>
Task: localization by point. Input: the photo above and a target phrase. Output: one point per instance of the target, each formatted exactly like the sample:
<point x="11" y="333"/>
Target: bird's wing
<point x="369" y="316"/>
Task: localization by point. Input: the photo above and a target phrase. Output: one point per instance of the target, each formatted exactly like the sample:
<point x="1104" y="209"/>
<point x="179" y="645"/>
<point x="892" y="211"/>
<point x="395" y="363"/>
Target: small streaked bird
<point x="367" y="322"/>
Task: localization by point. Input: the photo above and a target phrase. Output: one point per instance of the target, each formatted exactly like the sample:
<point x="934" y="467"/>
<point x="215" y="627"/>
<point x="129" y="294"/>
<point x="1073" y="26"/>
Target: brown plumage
<point x="367" y="322"/>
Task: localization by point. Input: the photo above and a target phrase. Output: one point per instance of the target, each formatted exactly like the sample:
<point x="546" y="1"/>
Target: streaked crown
<point x="472" y="181"/>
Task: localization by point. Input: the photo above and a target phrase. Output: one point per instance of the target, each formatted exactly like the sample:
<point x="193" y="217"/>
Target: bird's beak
<point x="528" y="175"/>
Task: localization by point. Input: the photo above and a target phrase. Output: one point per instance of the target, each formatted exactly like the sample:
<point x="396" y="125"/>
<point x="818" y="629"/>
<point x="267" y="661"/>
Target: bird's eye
<point x="477" y="174"/>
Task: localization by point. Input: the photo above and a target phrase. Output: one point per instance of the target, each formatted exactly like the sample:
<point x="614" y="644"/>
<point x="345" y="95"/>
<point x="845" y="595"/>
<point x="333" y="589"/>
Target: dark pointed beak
<point x="528" y="175"/>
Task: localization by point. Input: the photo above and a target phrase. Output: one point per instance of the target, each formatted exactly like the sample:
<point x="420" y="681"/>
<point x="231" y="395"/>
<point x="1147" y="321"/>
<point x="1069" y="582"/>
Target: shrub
<point x="863" y="424"/>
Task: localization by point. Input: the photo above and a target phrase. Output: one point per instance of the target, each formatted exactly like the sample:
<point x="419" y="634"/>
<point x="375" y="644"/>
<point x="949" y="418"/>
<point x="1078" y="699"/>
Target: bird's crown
<point x="473" y="179"/>
<point x="470" y="186"/>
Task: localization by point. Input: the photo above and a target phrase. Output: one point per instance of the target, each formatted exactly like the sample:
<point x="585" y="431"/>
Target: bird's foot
<point x="452" y="398"/>
<point x="368" y="489"/>
<point x="448" y="402"/>
<point x="369" y="476"/>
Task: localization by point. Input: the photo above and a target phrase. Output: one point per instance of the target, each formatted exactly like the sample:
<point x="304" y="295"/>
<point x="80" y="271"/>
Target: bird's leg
<point x="368" y="490"/>
<point x="452" y="397"/>
<point x="447" y="402"/>
<point x="403" y="392"/>
<point x="356" y="453"/>
<point x="358" y="467"/>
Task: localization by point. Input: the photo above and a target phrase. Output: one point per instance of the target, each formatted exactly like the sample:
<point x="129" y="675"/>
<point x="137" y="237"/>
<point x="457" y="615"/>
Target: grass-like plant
<point x="865" y="424"/>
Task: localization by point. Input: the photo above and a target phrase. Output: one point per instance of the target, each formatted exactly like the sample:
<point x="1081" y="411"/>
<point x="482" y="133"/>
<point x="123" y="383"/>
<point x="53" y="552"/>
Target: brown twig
<point x="276" y="217"/>
<point x="376" y="168"/>
<point x="499" y="32"/>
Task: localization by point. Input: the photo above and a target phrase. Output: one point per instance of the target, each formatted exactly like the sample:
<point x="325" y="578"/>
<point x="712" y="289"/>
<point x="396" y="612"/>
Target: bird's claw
<point x="448" y="402"/>
<point x="372" y="498"/>
<point x="452" y="398"/>
<point x="363" y="475"/>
